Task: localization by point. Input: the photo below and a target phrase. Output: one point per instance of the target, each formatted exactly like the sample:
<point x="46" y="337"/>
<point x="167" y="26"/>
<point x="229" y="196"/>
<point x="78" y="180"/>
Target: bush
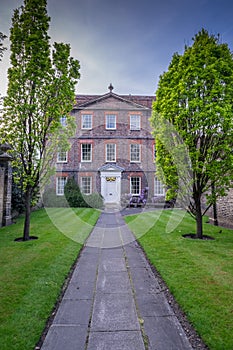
<point x="73" y="194"/>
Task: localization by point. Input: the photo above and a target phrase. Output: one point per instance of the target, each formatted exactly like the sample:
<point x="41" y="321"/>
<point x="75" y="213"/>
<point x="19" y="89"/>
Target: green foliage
<point x="2" y="48"/>
<point x="73" y="194"/>
<point x="18" y="203"/>
<point x="41" y="89"/>
<point x="193" y="124"/>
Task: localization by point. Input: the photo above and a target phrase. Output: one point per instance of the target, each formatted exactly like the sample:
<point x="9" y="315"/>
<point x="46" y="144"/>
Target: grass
<point x="198" y="273"/>
<point x="32" y="273"/>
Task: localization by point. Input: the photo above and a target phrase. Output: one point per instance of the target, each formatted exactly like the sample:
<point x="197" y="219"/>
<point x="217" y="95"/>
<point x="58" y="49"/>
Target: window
<point x="86" y="152"/>
<point x="135" y="121"/>
<point x="63" y="120"/>
<point x="135" y="185"/>
<point x="110" y="121"/>
<point x="62" y="156"/>
<point x="86" y="184"/>
<point x="86" y="121"/>
<point x="159" y="188"/>
<point x="60" y="185"/>
<point x="110" y="152"/>
<point x="135" y="153"/>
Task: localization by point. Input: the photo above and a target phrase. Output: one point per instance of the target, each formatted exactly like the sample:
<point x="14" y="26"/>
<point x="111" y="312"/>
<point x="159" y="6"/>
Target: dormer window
<point x="111" y="121"/>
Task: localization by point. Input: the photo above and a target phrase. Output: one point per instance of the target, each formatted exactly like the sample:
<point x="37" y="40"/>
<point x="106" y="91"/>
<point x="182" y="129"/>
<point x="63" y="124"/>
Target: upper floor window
<point x="158" y="188"/>
<point x="86" y="152"/>
<point x="135" y="185"/>
<point x="110" y="121"/>
<point x="60" y="185"/>
<point x="62" y="156"/>
<point x="86" y="121"/>
<point x="63" y="120"/>
<point x="135" y="152"/>
<point x="110" y="152"/>
<point x="135" y="122"/>
<point x="86" y="184"/>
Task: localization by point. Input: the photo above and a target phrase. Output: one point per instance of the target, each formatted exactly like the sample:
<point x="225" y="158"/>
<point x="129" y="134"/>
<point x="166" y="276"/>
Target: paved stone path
<point x="113" y="300"/>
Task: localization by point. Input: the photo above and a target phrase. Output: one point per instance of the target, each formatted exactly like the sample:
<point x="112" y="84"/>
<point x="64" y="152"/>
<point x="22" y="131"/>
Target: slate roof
<point x="138" y="99"/>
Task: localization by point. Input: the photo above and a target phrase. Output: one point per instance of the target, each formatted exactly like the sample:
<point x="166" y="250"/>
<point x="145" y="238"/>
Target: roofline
<point x="109" y="94"/>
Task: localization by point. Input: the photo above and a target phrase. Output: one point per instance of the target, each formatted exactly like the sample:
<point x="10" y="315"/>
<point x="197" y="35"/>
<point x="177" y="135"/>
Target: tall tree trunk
<point x="199" y="224"/>
<point x="26" y="231"/>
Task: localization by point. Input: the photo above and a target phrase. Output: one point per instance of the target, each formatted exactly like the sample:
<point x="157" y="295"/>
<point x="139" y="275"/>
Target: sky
<point x="128" y="43"/>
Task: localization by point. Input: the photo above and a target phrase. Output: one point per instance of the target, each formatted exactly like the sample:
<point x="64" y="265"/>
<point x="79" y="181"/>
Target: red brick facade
<point x="112" y="152"/>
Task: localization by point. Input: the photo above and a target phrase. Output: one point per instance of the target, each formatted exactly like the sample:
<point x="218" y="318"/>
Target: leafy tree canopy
<point x="193" y="123"/>
<point x="41" y="90"/>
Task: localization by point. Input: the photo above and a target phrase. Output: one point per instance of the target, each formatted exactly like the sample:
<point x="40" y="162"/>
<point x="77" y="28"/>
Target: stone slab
<point x="112" y="265"/>
<point x="116" y="341"/>
<point x="114" y="312"/>
<point x="153" y="305"/>
<point x="65" y="337"/>
<point x="165" y="333"/>
<point x="116" y="252"/>
<point x="117" y="282"/>
<point x="73" y="312"/>
<point x="80" y="290"/>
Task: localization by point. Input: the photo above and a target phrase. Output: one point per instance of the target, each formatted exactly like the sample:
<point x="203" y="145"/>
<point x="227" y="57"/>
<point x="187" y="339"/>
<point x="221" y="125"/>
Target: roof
<point x="145" y="101"/>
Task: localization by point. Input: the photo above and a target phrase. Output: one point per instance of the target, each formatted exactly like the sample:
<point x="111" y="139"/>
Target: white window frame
<point x="62" y="156"/>
<point x="158" y="187"/>
<point x="63" y="121"/>
<point x="60" y="185"/>
<point x="110" y="152"/>
<point x="132" y="191"/>
<point x="86" y="121"/>
<point x="107" y="122"/>
<point x="89" y="185"/>
<point x="82" y="158"/>
<point x="135" y="124"/>
<point x="133" y="152"/>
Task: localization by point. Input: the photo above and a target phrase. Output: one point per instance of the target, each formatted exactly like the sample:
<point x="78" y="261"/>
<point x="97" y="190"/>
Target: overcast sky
<point x="128" y="43"/>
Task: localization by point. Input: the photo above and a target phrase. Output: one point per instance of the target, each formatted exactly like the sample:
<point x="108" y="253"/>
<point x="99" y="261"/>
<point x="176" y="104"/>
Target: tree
<point x="41" y="90"/>
<point x="194" y="104"/>
<point x="2" y="48"/>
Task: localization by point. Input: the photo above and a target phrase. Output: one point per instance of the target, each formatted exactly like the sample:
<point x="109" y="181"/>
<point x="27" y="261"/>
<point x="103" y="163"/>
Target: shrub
<point x="73" y="194"/>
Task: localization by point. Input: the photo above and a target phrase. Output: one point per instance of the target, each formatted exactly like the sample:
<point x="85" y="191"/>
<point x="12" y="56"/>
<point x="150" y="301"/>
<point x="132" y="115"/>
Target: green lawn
<point x="32" y="273"/>
<point x="199" y="273"/>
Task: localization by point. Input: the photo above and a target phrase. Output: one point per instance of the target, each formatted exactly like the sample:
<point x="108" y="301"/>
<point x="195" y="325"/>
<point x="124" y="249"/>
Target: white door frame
<point x="106" y="177"/>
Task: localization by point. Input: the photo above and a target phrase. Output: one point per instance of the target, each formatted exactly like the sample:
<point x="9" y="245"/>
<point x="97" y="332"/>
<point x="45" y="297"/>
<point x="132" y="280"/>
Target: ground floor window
<point x="86" y="184"/>
<point x="135" y="185"/>
<point x="60" y="185"/>
<point x="158" y="187"/>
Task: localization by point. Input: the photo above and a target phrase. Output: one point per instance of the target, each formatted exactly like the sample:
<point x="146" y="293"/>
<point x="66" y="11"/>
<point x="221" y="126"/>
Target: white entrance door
<point x="111" y="191"/>
<point x="111" y="186"/>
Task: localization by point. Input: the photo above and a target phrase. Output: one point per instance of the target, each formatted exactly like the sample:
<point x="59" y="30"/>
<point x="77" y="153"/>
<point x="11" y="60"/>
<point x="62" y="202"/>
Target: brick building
<point x="112" y="152"/>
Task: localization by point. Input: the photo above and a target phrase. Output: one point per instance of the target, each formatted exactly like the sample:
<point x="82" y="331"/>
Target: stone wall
<point x="225" y="210"/>
<point x="5" y="186"/>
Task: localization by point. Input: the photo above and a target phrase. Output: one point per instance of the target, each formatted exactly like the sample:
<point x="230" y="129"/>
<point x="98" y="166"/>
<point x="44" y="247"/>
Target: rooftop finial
<point x="110" y="88"/>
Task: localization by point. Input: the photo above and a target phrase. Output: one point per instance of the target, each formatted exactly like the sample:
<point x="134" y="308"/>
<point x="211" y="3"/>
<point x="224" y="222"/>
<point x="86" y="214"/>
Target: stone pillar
<point x="5" y="186"/>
